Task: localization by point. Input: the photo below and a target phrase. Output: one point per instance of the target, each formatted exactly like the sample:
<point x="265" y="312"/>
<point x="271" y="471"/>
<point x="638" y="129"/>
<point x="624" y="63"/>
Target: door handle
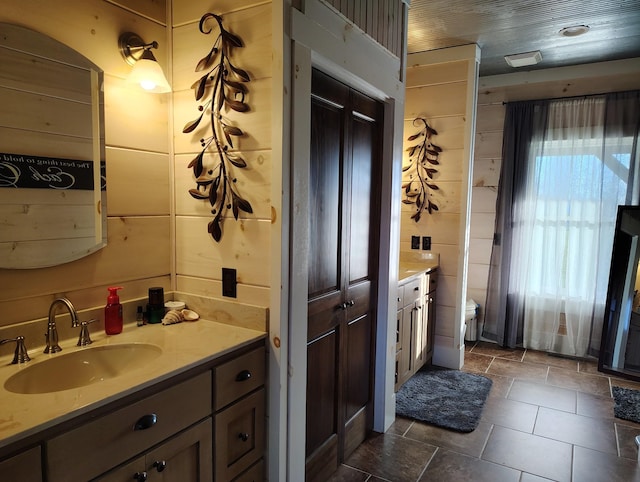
<point x="346" y="304"/>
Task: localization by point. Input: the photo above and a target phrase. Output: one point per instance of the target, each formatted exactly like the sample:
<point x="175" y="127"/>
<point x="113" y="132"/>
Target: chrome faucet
<point x="52" y="333"/>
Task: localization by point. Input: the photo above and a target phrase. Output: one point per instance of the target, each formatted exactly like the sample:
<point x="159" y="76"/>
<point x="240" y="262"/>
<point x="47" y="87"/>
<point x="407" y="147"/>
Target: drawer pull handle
<point x="243" y="436"/>
<point x="146" y="421"/>
<point x="160" y="465"/>
<point x="243" y="376"/>
<point x="140" y="476"/>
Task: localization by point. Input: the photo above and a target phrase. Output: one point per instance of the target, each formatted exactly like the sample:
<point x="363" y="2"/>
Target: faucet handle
<point x="84" y="339"/>
<point x="20" y="355"/>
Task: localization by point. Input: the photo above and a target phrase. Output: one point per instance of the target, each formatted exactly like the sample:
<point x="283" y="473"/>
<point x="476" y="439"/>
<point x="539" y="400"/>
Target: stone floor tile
<point x="447" y="466"/>
<point x="543" y="395"/>
<point x="491" y="349"/>
<point x="594" y="466"/>
<point x="529" y="453"/>
<point x="593" y="433"/>
<point x="532" y="356"/>
<point x="467" y="443"/>
<point x="510" y="413"/>
<point x="518" y="370"/>
<point x="583" y="382"/>
<point x="392" y="457"/>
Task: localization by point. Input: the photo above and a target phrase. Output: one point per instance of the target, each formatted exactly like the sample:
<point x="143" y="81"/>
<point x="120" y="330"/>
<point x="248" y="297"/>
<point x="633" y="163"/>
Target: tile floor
<point x="546" y="418"/>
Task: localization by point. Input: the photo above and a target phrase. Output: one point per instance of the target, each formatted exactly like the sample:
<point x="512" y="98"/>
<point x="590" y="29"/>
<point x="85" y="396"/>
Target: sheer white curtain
<point x="576" y="176"/>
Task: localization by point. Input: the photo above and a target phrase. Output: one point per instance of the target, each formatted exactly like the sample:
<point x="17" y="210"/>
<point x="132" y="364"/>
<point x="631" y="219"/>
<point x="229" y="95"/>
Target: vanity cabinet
<point x="414" y="324"/>
<point x="24" y="467"/>
<point x="207" y="425"/>
<point x="409" y="325"/>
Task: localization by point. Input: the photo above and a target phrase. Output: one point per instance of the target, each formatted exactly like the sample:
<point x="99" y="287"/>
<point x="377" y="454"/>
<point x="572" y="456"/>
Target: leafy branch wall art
<point x="423" y="156"/>
<point x="220" y="88"/>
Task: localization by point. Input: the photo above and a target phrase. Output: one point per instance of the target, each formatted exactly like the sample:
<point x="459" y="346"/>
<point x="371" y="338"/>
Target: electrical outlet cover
<point x="415" y="242"/>
<point x="426" y="243"/>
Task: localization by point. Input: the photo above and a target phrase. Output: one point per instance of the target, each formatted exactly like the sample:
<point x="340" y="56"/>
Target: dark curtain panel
<point x="503" y="312"/>
<point x="622" y="119"/>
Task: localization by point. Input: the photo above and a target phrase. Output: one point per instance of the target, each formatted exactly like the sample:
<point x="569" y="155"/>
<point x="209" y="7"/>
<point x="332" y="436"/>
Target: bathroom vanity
<point x="415" y="320"/>
<point x="194" y="412"/>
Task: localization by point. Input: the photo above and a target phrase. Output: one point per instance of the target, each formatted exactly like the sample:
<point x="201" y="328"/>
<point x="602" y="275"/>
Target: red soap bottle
<point x="113" y="312"/>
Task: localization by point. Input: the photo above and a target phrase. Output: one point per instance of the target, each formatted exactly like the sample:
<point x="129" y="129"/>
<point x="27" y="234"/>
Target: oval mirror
<point x="52" y="183"/>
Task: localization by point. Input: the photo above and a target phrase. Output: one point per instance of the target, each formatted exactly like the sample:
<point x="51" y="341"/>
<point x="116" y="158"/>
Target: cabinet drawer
<point x="24" y="467"/>
<point x="412" y="290"/>
<point x="239" y="439"/>
<point x="111" y="439"/>
<point x="239" y="377"/>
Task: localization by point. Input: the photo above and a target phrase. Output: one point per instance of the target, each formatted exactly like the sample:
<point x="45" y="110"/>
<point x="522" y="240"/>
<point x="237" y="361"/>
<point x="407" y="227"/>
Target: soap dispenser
<point x="113" y="312"/>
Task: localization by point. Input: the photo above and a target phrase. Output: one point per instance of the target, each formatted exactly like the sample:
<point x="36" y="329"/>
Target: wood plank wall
<point x="437" y="93"/>
<point x="138" y="254"/>
<point x="245" y="243"/>
<point x="382" y="20"/>
<point x="488" y="145"/>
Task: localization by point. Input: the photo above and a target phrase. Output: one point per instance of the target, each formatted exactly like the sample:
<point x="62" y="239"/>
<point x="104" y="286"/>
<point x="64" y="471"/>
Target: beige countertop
<point x="183" y="345"/>
<point x="408" y="270"/>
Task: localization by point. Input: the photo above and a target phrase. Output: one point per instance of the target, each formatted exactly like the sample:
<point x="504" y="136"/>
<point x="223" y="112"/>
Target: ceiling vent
<point x="524" y="59"/>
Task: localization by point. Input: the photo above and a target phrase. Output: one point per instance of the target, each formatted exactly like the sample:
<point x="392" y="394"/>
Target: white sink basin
<point x="80" y="368"/>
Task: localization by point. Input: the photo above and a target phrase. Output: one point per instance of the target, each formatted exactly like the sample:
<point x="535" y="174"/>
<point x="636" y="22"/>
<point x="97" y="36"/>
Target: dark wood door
<point x="344" y="189"/>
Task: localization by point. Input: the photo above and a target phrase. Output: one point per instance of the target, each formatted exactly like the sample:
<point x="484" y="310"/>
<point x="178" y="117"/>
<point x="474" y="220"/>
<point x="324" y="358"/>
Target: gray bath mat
<point x="447" y="398"/>
<point x="626" y="404"/>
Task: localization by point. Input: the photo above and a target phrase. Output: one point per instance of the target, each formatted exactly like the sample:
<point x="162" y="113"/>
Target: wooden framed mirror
<point x="620" y="344"/>
<point x="52" y="179"/>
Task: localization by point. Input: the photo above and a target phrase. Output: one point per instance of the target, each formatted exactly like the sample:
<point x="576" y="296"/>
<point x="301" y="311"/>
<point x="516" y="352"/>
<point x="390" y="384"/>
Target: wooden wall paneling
<point x="37" y="307"/>
<point x="443" y="228"/>
<point x="49" y="145"/>
<point x="243" y="247"/>
<point x="254" y="28"/>
<point x="256" y="123"/>
<point x="448" y="258"/>
<point x="488" y="145"/>
<point x="482" y="225"/>
<point x="137" y="247"/>
<point x="137" y="182"/>
<point x="436" y="100"/>
<point x="23" y="219"/>
<point x="153" y="9"/>
<point x="425" y="75"/>
<point x="490" y="117"/>
<point x="484" y="199"/>
<point x="38" y="113"/>
<point x="254" y="184"/>
<point x="190" y="12"/>
<point x="445" y="322"/>
<point x="480" y="251"/>
<point x="135" y="119"/>
<point x="31" y="73"/>
<point x="486" y="172"/>
<point x="91" y="27"/>
<point x="249" y="294"/>
<point x="477" y="277"/>
<point x="447" y="290"/>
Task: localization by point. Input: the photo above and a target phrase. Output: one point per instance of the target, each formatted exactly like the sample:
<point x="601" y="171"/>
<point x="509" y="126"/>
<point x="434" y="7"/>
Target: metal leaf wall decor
<point x="423" y="156"/>
<point x="221" y="87"/>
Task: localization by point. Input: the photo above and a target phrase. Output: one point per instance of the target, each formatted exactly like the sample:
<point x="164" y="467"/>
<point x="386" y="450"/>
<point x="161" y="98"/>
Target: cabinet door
<point x="184" y="458"/>
<point x="187" y="457"/>
<point x="131" y="471"/>
<point x="24" y="467"/>
<point x="239" y="436"/>
<point x="405" y="363"/>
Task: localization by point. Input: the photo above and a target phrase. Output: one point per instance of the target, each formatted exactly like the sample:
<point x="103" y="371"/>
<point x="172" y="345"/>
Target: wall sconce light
<point x="146" y="70"/>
